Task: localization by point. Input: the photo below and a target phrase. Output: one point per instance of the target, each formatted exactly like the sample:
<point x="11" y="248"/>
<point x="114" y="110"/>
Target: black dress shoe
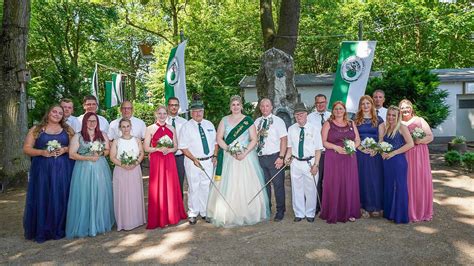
<point x="192" y="220"/>
<point x="297" y="219"/>
<point x="203" y="217"/>
<point x="310" y="219"/>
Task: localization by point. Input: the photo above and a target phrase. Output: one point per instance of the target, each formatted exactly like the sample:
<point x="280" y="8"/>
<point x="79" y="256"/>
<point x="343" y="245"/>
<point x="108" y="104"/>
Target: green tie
<point x="262" y="137"/>
<point x="301" y="144"/>
<point x="173" y="123"/>
<point x="205" y="146"/>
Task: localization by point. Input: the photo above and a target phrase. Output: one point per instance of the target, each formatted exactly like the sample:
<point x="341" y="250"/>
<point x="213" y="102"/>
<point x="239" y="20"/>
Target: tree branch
<point x="130" y="23"/>
<point x="267" y="24"/>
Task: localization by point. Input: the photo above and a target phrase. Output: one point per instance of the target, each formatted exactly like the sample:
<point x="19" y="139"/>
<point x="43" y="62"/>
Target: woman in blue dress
<point x="369" y="161"/>
<point x="395" y="167"/>
<point x="49" y="177"/>
<point x="238" y="174"/>
<point x="91" y="203"/>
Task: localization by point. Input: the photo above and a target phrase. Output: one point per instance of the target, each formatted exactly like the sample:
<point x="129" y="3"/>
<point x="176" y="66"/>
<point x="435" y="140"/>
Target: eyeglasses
<point x="321" y="102"/>
<point x="173" y="104"/>
<point x="126" y="108"/>
<point x="92" y="121"/>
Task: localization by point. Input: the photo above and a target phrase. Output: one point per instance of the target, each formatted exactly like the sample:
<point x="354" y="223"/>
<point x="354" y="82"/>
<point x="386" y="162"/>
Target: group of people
<point x="230" y="171"/>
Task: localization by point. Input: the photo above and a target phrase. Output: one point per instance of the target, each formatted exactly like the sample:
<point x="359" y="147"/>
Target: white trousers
<point x="303" y="189"/>
<point x="198" y="186"/>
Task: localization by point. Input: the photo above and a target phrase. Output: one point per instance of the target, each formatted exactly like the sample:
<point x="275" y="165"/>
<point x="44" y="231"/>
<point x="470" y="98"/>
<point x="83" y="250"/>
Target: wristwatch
<point x="281" y="157"/>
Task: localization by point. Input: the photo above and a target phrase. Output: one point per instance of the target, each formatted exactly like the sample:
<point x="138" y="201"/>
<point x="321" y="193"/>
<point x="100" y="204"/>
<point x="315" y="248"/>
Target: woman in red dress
<point x="165" y="205"/>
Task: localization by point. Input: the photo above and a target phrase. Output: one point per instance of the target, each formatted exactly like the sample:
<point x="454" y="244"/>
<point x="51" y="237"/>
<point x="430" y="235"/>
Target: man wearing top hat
<point x="271" y="148"/>
<point x="304" y="151"/>
<point x="199" y="157"/>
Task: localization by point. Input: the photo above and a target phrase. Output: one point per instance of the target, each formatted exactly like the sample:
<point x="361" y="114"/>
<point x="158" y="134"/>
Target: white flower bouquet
<point x="236" y="148"/>
<point x="165" y="142"/>
<point x="385" y="147"/>
<point x="349" y="146"/>
<point x="53" y="145"/>
<point x="418" y="133"/>
<point x="97" y="147"/>
<point x="369" y="143"/>
<point x="127" y="158"/>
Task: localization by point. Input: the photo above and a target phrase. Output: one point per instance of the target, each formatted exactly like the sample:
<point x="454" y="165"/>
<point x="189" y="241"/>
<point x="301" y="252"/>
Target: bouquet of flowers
<point x="349" y="146"/>
<point x="53" y="145"/>
<point x="236" y="148"/>
<point x="385" y="147"/>
<point x="97" y="147"/>
<point x="165" y="142"/>
<point x="127" y="158"/>
<point x="369" y="143"/>
<point x="418" y="133"/>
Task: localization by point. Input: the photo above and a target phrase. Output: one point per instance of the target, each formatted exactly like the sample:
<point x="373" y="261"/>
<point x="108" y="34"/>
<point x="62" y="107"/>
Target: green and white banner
<point x="353" y="69"/>
<point x="95" y="83"/>
<point x="175" y="78"/>
<point x="113" y="91"/>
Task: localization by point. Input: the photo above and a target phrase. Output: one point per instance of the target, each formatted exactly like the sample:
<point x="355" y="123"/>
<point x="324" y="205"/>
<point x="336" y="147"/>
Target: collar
<point x="267" y="117"/>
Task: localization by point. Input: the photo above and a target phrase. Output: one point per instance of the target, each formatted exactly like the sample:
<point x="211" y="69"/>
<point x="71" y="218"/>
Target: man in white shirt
<point x="271" y="148"/>
<point x="72" y="121"/>
<point x="379" y="99"/>
<point x="177" y="122"/>
<point x="318" y="118"/>
<point x="138" y="126"/>
<point x="197" y="141"/>
<point x="89" y="103"/>
<point x="304" y="146"/>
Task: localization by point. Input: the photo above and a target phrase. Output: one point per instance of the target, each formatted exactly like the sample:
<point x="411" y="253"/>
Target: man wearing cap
<point x="200" y="157"/>
<point x="177" y="122"/>
<point x="138" y="126"/>
<point x="304" y="151"/>
<point x="379" y="99"/>
<point x="271" y="148"/>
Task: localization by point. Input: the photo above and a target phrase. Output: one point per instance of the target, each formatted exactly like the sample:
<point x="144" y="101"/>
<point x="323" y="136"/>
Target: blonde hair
<point x="391" y="130"/>
<point x="157" y="109"/>
<point x="235" y="98"/>
<point x="373" y="114"/>
<point x="408" y="102"/>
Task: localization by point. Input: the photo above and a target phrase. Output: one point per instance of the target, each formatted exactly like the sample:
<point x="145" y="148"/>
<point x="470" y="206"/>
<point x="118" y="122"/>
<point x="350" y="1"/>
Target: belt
<point x="205" y="158"/>
<point x="303" y="159"/>
<point x="268" y="155"/>
<point x="178" y="155"/>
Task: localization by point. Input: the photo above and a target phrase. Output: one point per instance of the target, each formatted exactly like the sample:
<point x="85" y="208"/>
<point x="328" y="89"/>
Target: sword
<point x="217" y="189"/>
<point x="270" y="180"/>
<point x="316" y="185"/>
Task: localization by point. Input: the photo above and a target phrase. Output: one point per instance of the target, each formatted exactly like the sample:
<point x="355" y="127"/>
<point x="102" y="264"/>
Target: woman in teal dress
<point x="238" y="174"/>
<point x="91" y="203"/>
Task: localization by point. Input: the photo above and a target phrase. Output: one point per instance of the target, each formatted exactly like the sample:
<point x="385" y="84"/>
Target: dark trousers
<point x="267" y="162"/>
<point x="181" y="173"/>
<point x="320" y="182"/>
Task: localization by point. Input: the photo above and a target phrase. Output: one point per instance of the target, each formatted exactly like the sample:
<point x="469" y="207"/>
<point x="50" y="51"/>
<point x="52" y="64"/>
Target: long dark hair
<point x="97" y="133"/>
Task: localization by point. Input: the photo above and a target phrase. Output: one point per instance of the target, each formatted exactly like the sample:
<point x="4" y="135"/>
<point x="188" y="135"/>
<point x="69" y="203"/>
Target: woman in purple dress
<point x="49" y="178"/>
<point x="395" y="167"/>
<point x="368" y="160"/>
<point x="341" y="179"/>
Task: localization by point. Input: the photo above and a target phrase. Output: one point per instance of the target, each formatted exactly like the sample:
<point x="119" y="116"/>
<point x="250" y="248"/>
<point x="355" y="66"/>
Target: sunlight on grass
<point x="8" y="201"/>
<point x="469" y="221"/>
<point x="322" y="255"/>
<point x="146" y="177"/>
<point x="426" y="229"/>
<point x="467" y="249"/>
<point x="374" y="228"/>
<point x="167" y="251"/>
<point x="128" y="241"/>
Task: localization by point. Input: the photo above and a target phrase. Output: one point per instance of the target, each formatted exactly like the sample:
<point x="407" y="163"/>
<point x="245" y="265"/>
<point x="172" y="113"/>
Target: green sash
<point x="233" y="135"/>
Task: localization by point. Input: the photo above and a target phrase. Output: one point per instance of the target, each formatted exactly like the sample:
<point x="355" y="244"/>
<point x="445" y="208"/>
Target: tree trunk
<point x="13" y="40"/>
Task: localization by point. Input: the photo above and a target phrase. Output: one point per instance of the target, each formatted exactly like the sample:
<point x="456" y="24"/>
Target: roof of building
<point x="327" y="79"/>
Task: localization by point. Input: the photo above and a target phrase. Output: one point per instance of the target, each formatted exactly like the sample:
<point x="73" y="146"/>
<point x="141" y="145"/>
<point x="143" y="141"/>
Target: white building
<point x="458" y="82"/>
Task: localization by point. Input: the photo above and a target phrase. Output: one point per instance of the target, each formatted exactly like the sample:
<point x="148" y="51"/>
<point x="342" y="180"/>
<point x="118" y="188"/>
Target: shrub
<point x="468" y="160"/>
<point x="452" y="158"/>
<point x="458" y="140"/>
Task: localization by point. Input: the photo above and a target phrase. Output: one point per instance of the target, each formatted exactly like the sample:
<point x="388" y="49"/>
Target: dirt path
<point x="448" y="239"/>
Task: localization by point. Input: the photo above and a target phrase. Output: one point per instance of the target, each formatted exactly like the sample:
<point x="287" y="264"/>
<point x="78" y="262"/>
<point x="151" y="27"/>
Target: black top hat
<point x="300" y="107"/>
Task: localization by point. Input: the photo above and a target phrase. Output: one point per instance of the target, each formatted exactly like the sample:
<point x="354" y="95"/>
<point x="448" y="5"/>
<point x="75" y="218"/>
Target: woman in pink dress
<point x="165" y="204"/>
<point x="420" y="181"/>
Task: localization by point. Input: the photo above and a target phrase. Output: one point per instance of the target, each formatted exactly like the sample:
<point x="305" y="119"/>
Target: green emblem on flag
<point x="172" y="75"/>
<point x="352" y="68"/>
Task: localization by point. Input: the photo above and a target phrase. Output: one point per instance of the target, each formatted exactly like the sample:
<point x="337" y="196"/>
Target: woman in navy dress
<point x="49" y="177"/>
<point x="368" y="160"/>
<point x="395" y="167"/>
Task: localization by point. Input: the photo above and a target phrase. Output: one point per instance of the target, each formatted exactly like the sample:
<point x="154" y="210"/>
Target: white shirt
<point x="276" y="131"/>
<point x="74" y="123"/>
<point x="103" y="123"/>
<point x="312" y="139"/>
<point x="138" y="128"/>
<point x="315" y="118"/>
<point x="189" y="138"/>
<point x="382" y="112"/>
<point x="179" y="122"/>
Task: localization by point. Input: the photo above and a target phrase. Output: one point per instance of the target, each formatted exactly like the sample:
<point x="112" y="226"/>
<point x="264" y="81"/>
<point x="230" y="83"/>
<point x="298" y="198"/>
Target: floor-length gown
<point x="420" y="180"/>
<point x="395" y="183"/>
<point x="129" y="206"/>
<point x="91" y="204"/>
<point x="341" y="181"/>
<point x="370" y="170"/>
<point x="240" y="181"/>
<point x="48" y="191"/>
<point x="165" y="205"/>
